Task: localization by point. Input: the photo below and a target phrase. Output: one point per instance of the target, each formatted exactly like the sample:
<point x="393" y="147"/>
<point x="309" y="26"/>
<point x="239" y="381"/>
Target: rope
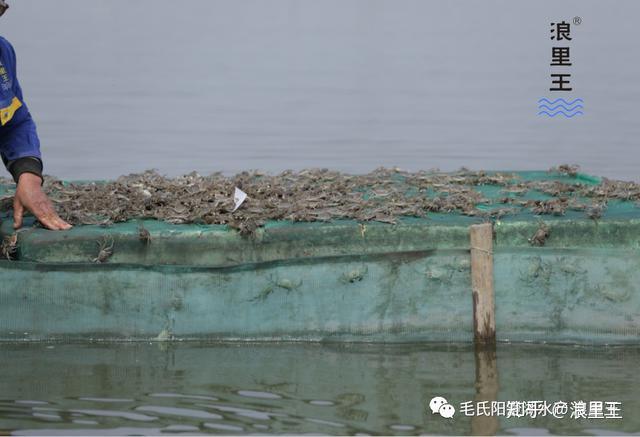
<point x="488" y="252"/>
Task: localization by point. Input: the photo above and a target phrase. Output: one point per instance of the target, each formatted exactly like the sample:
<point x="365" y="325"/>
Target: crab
<point x="595" y="211"/>
<point x="105" y="245"/>
<point x="9" y="246"/>
<point x="144" y="235"/>
<point x="541" y="235"/>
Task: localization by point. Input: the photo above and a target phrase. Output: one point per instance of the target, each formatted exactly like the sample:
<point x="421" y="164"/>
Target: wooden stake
<point x="484" y="322"/>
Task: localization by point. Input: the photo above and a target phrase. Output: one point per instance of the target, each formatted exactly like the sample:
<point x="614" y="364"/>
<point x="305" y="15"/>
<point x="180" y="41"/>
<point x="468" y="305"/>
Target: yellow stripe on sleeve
<point x="6" y="114"/>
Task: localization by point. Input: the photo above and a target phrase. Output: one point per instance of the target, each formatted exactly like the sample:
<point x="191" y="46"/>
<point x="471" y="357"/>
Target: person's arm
<point x="26" y="164"/>
<point x="20" y="151"/>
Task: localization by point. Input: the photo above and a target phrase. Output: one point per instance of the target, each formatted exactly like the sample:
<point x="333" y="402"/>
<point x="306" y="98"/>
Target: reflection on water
<point x="487" y="388"/>
<point x="185" y="389"/>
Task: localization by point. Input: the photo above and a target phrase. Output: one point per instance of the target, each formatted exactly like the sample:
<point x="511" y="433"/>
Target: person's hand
<point x="29" y="196"/>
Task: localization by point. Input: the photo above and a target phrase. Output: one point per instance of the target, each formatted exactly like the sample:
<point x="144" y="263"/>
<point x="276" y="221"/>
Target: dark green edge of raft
<point x="196" y="246"/>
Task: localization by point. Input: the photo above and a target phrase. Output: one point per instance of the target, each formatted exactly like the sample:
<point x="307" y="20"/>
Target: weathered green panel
<point x="378" y="297"/>
<point x="327" y="281"/>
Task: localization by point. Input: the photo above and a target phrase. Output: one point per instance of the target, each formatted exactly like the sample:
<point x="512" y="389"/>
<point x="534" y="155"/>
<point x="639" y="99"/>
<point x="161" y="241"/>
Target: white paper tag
<point x="238" y="198"/>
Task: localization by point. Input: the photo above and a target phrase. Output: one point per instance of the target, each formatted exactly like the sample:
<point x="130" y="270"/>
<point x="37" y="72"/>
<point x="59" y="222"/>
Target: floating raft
<point x="333" y="281"/>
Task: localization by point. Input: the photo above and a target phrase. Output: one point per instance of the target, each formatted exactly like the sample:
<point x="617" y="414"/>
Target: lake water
<point x="118" y="86"/>
<point x="187" y="389"/>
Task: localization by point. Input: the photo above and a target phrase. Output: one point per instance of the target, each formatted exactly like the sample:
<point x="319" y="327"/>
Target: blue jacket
<point x="18" y="135"/>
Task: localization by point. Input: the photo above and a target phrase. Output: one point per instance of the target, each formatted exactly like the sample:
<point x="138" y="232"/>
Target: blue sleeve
<point x="18" y="137"/>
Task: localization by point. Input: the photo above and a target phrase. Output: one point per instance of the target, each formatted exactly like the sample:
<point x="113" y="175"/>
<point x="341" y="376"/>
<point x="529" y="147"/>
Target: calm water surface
<point x="187" y="389"/>
<point x="224" y="85"/>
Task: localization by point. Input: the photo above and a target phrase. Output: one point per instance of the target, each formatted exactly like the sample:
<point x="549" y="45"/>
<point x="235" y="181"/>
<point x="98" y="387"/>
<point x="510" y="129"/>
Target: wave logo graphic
<point x="560" y="107"/>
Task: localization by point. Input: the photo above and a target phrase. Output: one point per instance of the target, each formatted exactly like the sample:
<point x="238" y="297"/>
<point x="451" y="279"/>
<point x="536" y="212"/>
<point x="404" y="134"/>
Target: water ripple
<point x="244" y="412"/>
<point x="178" y="395"/>
<point x="258" y="394"/>
<point x="223" y="427"/>
<point x="106" y="400"/>
<point x="120" y="414"/>
<point x="174" y="411"/>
